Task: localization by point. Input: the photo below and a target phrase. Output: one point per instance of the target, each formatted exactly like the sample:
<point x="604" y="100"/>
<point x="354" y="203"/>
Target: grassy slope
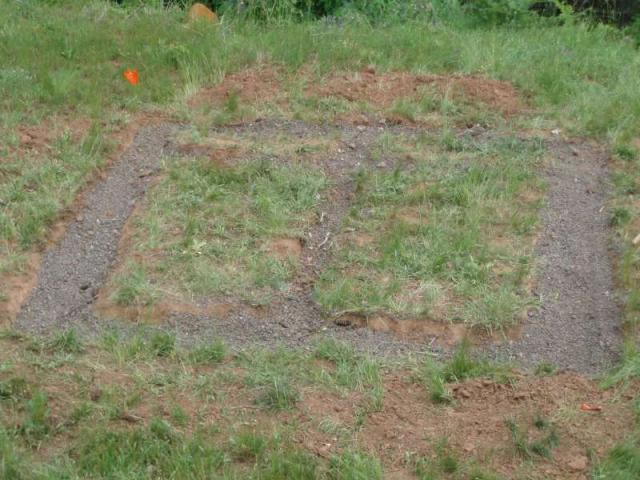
<point x="67" y="58"/>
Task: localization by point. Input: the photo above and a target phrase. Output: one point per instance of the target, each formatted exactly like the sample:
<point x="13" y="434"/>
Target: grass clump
<point x="210" y="353"/>
<point x="247" y="446"/>
<point x="66" y="342"/>
<point x="35" y="425"/>
<point x="279" y="394"/>
<point x="621" y="463"/>
<point x="462" y="366"/>
<point x="352" y="465"/>
<point x="130" y="454"/>
<point x="352" y="370"/>
<point x="134" y="287"/>
<point x="529" y="449"/>
<point x="163" y="344"/>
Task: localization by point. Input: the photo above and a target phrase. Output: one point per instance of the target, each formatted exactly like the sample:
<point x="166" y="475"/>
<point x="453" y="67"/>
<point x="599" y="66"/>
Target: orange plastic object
<point x="200" y="12"/>
<point x="131" y="76"/>
<point x="587" y="407"/>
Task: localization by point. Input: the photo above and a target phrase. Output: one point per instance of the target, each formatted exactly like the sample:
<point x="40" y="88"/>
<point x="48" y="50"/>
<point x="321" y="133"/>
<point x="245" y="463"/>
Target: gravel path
<point x="294" y="318"/>
<point x="577" y="325"/>
<point x="73" y="270"/>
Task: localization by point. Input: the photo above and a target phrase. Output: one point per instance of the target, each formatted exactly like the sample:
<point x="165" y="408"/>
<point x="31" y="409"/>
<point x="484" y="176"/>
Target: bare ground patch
<point x="383" y="89"/>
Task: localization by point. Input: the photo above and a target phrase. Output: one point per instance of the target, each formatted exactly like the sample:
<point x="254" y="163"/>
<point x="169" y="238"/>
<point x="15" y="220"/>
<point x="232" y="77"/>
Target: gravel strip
<point x="72" y="271"/>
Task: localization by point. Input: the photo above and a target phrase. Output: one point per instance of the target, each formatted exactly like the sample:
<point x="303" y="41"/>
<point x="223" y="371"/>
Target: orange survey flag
<point x="131" y="76"/>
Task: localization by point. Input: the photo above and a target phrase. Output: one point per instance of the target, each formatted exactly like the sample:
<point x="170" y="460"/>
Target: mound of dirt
<point x="384" y="89"/>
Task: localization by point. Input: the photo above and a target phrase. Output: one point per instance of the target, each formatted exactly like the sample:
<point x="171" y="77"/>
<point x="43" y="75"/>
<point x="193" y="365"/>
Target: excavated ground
<point x="576" y="325"/>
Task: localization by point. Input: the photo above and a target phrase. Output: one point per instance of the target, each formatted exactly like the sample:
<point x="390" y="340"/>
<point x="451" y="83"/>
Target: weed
<point x="279" y="394"/>
<point x="14" y="389"/>
<point x="253" y="205"/>
<point x="622" y="463"/>
<point x="11" y="464"/>
<point x="179" y="416"/>
<point x="210" y="353"/>
<point x="529" y="449"/>
<point x="351" y="370"/>
<point x="353" y="465"/>
<point x="462" y="365"/>
<point x="540" y="422"/>
<point x="432" y="230"/>
<point x="35" y="425"/>
<point x="66" y="342"/>
<point x="130" y="454"/>
<point x="247" y="446"/>
<point x="134" y="287"/>
<point x="628" y="369"/>
<point x="287" y="463"/>
<point x="433" y="380"/>
<point x="544" y="369"/>
<point x="163" y="344"/>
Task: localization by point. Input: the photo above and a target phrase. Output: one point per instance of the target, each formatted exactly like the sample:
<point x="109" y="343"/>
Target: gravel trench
<point x="577" y="323"/>
<point x="75" y="268"/>
<point x="576" y="326"/>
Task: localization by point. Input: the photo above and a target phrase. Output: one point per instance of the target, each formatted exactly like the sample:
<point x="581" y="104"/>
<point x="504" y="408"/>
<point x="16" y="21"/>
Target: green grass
<point x="432" y="231"/>
<point x="622" y="463"/>
<point x="530" y="448"/>
<point x="226" y="219"/>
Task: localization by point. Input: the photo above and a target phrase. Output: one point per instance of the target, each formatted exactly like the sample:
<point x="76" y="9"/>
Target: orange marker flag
<point x="131" y="76"/>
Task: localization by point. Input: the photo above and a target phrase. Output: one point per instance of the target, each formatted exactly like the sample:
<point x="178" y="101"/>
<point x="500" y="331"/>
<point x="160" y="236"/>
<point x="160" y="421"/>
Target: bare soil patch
<point x="409" y="426"/>
<point x="383" y="89"/>
<point x="253" y="85"/>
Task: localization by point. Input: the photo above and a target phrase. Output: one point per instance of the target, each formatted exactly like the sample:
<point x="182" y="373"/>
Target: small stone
<point x="84" y="286"/>
<point x="636" y="240"/>
<point x="579" y="463"/>
<point x="469" y="447"/>
<point x="464" y="393"/>
<point x="95" y="394"/>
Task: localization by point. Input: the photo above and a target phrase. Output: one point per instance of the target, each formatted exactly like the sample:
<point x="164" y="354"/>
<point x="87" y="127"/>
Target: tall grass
<point x="70" y="55"/>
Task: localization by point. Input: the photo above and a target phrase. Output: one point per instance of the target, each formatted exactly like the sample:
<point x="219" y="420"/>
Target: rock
<point x="636" y="240"/>
<point x="198" y="11"/>
<point x="95" y="394"/>
<point x="578" y="463"/>
<point x="464" y="393"/>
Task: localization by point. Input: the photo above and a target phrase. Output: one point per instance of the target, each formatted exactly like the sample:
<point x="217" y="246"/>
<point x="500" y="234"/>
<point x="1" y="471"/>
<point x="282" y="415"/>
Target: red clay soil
<point x="409" y="424"/>
<point x="253" y="85"/>
<point x="385" y="88"/>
